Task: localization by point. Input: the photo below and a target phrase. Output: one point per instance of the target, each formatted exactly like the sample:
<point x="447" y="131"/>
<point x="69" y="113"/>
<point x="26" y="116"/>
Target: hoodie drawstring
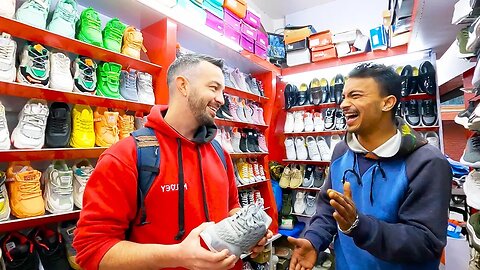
<point x="384" y="176"/>
<point x="204" y="193"/>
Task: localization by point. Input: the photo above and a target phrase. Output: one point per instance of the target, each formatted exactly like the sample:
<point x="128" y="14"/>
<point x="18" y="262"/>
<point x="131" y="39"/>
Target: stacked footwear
<point x="59" y="125"/>
<point x="125" y="124"/>
<point x="419" y="112"/>
<point x="66" y="229"/>
<point x="82" y="171"/>
<point x="241" y="110"/>
<point x="58" y="194"/>
<point x="23" y="185"/>
<point x="19" y="252"/>
<point x="85" y="75"/>
<point x="4" y="133"/>
<point x="89" y="28"/>
<point x="113" y="35"/>
<point x="248" y="171"/>
<point x="8" y="50"/>
<point x="64" y="18"/>
<point x="60" y="75"/>
<point x="305" y="204"/>
<point x="132" y="42"/>
<point x="244" y="82"/>
<point x="250" y="196"/>
<point x="34" y="66"/>
<point x="242" y="140"/>
<point x="240" y="232"/>
<point x="32" y="121"/>
<point x="50" y="247"/>
<point x="108" y="75"/>
<point x="106" y="127"/>
<point x="310" y="148"/>
<point x="128" y="85"/>
<point x="34" y="13"/>
<point x="145" y="88"/>
<point x="418" y="80"/>
<point x="83" y="134"/>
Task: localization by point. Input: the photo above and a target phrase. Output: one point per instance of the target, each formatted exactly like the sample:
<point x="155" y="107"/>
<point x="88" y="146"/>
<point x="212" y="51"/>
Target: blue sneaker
<point x="34" y="13"/>
<point x="128" y="85"/>
<point x="64" y="18"/>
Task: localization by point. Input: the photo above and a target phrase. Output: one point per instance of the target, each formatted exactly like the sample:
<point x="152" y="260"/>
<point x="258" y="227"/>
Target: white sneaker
<point x="471" y="187"/>
<point x="334" y="139"/>
<point x="290" y="149"/>
<point x="218" y="136"/>
<point x="58" y="179"/>
<point x="4" y="201"/>
<point x="82" y="171"/>
<point x="145" y="88"/>
<point x="432" y="138"/>
<point x="60" y="75"/>
<point x="300" y="205"/>
<point x="312" y="147"/>
<point x="325" y="152"/>
<point x="32" y="121"/>
<point x="4" y="133"/>
<point x="7" y="8"/>
<point x="227" y="141"/>
<point x="298" y="124"/>
<point x="308" y="120"/>
<point x="318" y="124"/>
<point x="289" y="122"/>
<point x="311" y="206"/>
<point x="301" y="148"/>
<point x="8" y="50"/>
<point x="236" y="141"/>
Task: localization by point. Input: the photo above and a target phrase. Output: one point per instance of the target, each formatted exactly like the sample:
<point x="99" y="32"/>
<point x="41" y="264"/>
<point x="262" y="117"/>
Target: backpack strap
<point x="218" y="148"/>
<point x="148" y="167"/>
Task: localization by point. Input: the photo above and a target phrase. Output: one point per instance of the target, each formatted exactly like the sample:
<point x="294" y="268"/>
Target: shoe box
<point x="379" y="38"/>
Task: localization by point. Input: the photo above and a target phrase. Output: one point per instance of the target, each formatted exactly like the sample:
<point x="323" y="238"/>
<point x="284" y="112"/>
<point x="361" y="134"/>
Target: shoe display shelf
<point x="306" y="161"/>
<point x="247" y="155"/>
<point x="233" y="123"/>
<point x="50" y="154"/>
<point x="246" y="95"/>
<point x="14" y="224"/>
<point x="249" y="185"/>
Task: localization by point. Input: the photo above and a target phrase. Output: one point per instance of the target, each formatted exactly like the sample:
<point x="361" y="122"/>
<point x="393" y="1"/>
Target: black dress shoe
<point x="332" y="90"/>
<point x="338" y="89"/>
<point x="429" y="112"/>
<point x="302" y="95"/>
<point x="288" y="96"/>
<point x="412" y="113"/>
<point x="315" y="92"/>
<point x="427" y="78"/>
<point x="414" y="81"/>
<point x="325" y="90"/>
<point x="406" y="75"/>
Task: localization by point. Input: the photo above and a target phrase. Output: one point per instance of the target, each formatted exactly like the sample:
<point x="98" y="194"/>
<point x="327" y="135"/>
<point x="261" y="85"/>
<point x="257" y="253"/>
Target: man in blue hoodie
<point x="385" y="201"/>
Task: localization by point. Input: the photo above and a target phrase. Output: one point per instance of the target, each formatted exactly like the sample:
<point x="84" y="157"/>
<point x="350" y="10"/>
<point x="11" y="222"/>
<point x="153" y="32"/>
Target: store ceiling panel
<point x="277" y="9"/>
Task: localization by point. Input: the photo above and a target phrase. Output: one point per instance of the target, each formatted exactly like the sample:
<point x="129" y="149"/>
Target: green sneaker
<point x="109" y="80"/>
<point x="462" y="39"/>
<point x="113" y="35"/>
<point x="89" y="27"/>
<point x="473" y="229"/>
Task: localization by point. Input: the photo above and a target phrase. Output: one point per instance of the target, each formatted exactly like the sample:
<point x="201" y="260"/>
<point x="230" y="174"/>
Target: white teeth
<point x="213" y="109"/>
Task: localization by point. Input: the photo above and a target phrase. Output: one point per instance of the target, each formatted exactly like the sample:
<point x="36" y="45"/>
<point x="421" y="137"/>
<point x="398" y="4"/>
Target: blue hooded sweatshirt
<point x="402" y="203"/>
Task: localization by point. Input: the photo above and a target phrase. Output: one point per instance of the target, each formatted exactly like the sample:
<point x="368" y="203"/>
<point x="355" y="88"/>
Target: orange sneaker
<point x="106" y="127"/>
<point x="132" y="42"/>
<point x="125" y="124"/>
<point x="23" y="185"/>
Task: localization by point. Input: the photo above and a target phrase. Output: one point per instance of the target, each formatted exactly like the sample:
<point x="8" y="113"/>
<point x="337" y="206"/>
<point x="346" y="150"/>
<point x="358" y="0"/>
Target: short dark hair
<point x="187" y="61"/>
<point x="389" y="81"/>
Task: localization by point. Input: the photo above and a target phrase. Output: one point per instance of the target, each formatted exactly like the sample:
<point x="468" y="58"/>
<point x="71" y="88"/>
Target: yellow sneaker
<point x="83" y="135"/>
<point x="297" y="176"/>
<point x="106" y="127"/>
<point x="243" y="171"/>
<point x="23" y="184"/>
<point x="132" y="42"/>
<point x="125" y="124"/>
<point x="4" y="202"/>
<point x="286" y="177"/>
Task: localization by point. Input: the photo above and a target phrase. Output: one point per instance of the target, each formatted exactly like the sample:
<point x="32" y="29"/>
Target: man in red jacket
<point x="195" y="84"/>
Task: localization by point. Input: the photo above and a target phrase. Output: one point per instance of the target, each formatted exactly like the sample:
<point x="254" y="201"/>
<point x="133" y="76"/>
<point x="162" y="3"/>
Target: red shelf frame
<point x="252" y="184"/>
<point x="317" y="133"/>
<point x="346" y="60"/>
<point x="245" y="95"/>
<point x="432" y="128"/>
<point x="232" y="123"/>
<point x="313" y="162"/>
<point x="28" y="91"/>
<point x="247" y="155"/>
<point x="50" y="153"/>
<point x="420" y="96"/>
<point x="261" y="62"/>
<point x="24" y="223"/>
<point x="313" y="107"/>
<point x="47" y="38"/>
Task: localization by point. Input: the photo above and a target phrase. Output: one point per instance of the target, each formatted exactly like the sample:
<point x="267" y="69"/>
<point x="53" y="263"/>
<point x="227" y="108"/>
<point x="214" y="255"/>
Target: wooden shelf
<point x="247" y="155"/>
<point x="313" y="162"/>
<point x="345" y="60"/>
<point x="233" y="123"/>
<point x="24" y="223"/>
<point x="28" y="91"/>
<point x="420" y="96"/>
<point x="50" y="153"/>
<point x="313" y="107"/>
<point x="252" y="184"/>
<point x="245" y="95"/>
<point x="316" y="133"/>
<point x="47" y="38"/>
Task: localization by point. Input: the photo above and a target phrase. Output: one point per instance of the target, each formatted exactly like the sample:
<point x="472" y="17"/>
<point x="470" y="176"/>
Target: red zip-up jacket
<point x="110" y="198"/>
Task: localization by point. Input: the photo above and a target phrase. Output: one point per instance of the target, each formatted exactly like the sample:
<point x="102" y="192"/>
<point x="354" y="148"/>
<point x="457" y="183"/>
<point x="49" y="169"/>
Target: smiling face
<point x="365" y="106"/>
<point x="205" y="92"/>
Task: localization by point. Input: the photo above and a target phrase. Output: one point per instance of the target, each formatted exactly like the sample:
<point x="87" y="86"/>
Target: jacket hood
<point x="409" y="140"/>
<point x="155" y="120"/>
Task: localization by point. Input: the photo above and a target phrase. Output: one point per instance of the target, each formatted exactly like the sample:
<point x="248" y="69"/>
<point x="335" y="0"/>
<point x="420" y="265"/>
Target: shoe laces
<point x="413" y="109"/>
<point x="248" y="218"/>
<point x="66" y="15"/>
<point x="61" y="189"/>
<point x="28" y="189"/>
<point x="3" y="120"/>
<point x="39" y="5"/>
<point x="59" y="125"/>
<point x="7" y="53"/>
<point x="62" y="63"/>
<point x="39" y="61"/>
<point x="135" y="40"/>
<point x="33" y="117"/>
<point x="145" y="82"/>
<point x="131" y="80"/>
<point x="114" y="32"/>
<point x="428" y="110"/>
<point x="476" y="142"/>
<point x="127" y="124"/>
<point x="82" y="123"/>
<point x="87" y="72"/>
<point x="91" y="20"/>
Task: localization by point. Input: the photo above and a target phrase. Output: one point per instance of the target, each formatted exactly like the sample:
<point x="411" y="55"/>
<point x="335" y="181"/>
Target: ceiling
<point x="277" y="9"/>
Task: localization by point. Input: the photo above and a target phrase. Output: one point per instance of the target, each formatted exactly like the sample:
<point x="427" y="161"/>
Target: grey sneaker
<point x="471" y="155"/>
<point x="311" y="205"/>
<point x="240" y="232"/>
<point x="318" y="178"/>
<point x="145" y="88"/>
<point x="128" y="85"/>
